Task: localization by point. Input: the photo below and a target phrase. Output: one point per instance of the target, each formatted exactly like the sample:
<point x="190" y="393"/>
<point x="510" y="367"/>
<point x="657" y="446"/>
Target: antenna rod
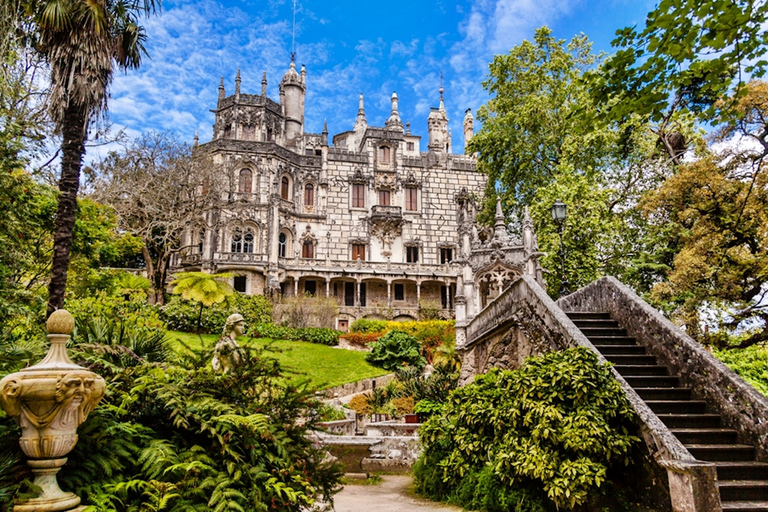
<point x="293" y="41"/>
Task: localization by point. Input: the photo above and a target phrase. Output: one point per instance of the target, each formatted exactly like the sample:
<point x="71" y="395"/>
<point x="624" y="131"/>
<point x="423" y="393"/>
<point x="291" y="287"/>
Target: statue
<point x="49" y="401"/>
<point x="227" y="353"/>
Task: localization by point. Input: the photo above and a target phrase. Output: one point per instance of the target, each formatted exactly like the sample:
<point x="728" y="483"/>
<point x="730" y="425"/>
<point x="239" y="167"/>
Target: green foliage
<point x="362" y="339"/>
<point x="552" y="428"/>
<point x="689" y="55"/>
<point x="133" y="311"/>
<point x="429" y="309"/>
<point x="750" y="363"/>
<point x="394" y="350"/>
<point x="182" y="315"/>
<point x="319" y="335"/>
<point x="366" y="325"/>
<point x="306" y="311"/>
<point x="177" y="436"/>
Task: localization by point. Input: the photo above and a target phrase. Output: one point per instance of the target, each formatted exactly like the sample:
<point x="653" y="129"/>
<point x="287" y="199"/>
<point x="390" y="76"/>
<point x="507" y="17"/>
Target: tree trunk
<point x="149" y="265"/>
<point x="72" y="151"/>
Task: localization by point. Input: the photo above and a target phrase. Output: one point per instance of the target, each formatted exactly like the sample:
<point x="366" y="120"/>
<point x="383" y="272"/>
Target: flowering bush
<point x="362" y="339"/>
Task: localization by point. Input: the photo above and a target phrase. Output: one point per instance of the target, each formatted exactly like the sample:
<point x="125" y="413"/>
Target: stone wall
<point x="390" y="454"/>
<point x="360" y="386"/>
<point x="742" y="407"/>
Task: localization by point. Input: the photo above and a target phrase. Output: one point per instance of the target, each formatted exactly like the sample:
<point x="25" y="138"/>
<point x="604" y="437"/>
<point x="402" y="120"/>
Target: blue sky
<point x="348" y="47"/>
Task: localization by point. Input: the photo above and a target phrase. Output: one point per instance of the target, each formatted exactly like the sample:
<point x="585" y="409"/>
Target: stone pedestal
<point x="49" y="401"/>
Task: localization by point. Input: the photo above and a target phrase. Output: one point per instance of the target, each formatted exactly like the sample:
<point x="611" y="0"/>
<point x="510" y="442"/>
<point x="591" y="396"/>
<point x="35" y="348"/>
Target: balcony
<point x="379" y="212"/>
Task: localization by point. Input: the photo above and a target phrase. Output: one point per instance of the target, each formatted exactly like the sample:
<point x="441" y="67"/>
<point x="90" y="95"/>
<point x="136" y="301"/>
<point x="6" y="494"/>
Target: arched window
<point x="246" y="181"/>
<point x="309" y="194"/>
<point x="284" y="186"/>
<point x="308" y="249"/>
<point x="237" y="241"/>
<point x="282" y="242"/>
<point x="201" y="241"/>
<point x="248" y="241"/>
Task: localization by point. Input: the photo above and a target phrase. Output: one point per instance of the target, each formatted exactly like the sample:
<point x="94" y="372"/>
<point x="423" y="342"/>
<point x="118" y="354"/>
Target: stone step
<point x="613" y="340"/>
<point x="574" y="316"/>
<point x="652" y="381"/>
<point x="745" y="506"/>
<point x="671" y="393"/>
<point x="722" y="452"/>
<point x="620" y="350"/>
<point x="595" y="323"/>
<point x="743" y="490"/>
<point x="589" y="332"/>
<point x="632" y="360"/>
<point x="690" y="420"/>
<point x="633" y="370"/>
<point x="743" y="470"/>
<point x="706" y="436"/>
<point x="677" y="406"/>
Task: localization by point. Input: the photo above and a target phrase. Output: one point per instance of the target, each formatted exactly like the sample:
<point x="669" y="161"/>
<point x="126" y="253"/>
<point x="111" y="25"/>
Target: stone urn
<point x="49" y="401"/>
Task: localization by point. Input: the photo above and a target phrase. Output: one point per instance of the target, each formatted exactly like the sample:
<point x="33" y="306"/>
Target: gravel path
<point x="391" y="495"/>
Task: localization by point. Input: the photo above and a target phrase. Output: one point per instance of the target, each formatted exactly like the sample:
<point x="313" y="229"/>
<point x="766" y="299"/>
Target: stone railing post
<point x="49" y="401"/>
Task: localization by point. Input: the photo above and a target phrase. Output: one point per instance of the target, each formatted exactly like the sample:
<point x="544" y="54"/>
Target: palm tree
<point x="207" y="289"/>
<point x="82" y="41"/>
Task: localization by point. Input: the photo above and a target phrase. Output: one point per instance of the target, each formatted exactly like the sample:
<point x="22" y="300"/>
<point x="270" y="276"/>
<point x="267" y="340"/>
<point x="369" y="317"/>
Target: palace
<point x="369" y="217"/>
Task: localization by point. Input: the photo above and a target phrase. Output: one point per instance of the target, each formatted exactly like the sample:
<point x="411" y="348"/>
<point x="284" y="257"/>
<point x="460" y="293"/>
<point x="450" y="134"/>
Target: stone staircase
<point x="742" y="481"/>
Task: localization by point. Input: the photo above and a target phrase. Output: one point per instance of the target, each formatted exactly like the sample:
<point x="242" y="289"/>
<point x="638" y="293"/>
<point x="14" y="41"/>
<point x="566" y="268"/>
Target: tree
<point x="542" y="140"/>
<point x="691" y="55"/>
<point x="207" y="289"/>
<point x="160" y="192"/>
<point x="82" y="41"/>
<point x="719" y="205"/>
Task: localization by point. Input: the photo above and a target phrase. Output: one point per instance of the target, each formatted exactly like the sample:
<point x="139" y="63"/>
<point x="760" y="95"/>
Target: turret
<point x="437" y="125"/>
<point x="292" y="93"/>
<point x="222" y="92"/>
<point x="394" y="121"/>
<point x="469" y="127"/>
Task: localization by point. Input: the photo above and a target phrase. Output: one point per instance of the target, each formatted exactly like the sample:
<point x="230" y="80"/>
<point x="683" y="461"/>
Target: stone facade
<point x="365" y="216"/>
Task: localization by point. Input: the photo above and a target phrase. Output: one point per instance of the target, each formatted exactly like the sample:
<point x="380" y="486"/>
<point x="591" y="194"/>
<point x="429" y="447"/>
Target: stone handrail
<point x="741" y="405"/>
<point x="692" y="482"/>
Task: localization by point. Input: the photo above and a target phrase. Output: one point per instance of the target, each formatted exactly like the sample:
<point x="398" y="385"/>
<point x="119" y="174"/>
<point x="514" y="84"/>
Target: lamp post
<point x="559" y="213"/>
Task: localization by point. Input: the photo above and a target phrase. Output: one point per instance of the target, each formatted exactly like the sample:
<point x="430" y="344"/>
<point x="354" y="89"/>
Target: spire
<point x="196" y="139"/>
<point x="237" y="83"/>
<point x="469" y="127"/>
<point x="303" y="74"/>
<point x="222" y="93"/>
<point x="394" y="118"/>
<point x="500" y="235"/>
<point x="360" y="122"/>
<point x="407" y="127"/>
<point x="361" y="107"/>
<point x="324" y="138"/>
<point x="264" y="84"/>
<point x="442" y="104"/>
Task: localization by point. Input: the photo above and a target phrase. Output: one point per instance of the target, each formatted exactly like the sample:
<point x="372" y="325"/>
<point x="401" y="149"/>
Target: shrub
<point x="429" y="310"/>
<point x="134" y="311"/>
<point x="750" y="363"/>
<point x="551" y="428"/>
<point x="395" y="349"/>
<point x="181" y="315"/>
<point x="365" y="325"/>
<point x="177" y="436"/>
<point x="319" y="335"/>
<point x="362" y="339"/>
<point x="361" y="404"/>
<point x="306" y="311"/>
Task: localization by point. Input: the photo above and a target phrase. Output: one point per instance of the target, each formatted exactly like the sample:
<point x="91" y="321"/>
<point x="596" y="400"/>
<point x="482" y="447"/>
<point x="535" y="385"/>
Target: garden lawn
<point x="324" y="366"/>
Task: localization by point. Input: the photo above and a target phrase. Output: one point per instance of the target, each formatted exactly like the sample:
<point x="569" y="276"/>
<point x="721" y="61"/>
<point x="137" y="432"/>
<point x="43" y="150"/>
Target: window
<point x="446" y="296"/>
<point x="310" y="287"/>
<point x="200" y="241"/>
<point x="281" y="243"/>
<point x="412" y="254"/>
<point x="248" y="241"/>
<point x="246" y="180"/>
<point x="358" y="252"/>
<point x="384" y="197"/>
<point x="284" y="186"/>
<point x="358" y="195"/>
<point x="384" y="154"/>
<point x="242" y="242"/>
<point x="411" y="199"/>
<point x="446" y="255"/>
<point x="410" y="146"/>
<point x="399" y="291"/>
<point x="309" y="194"/>
<point x="237" y="241"/>
<point x="308" y="250"/>
<point x="270" y="135"/>
<point x="240" y="283"/>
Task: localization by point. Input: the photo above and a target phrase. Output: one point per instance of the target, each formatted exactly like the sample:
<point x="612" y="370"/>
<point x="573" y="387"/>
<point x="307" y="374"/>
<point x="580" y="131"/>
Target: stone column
<point x="327" y="288"/>
<point x="295" y="287"/>
<point x="357" y="295"/>
<point x="389" y="293"/>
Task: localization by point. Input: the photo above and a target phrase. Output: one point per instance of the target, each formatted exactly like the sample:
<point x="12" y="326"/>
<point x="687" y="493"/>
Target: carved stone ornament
<point x="49" y="401"/>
